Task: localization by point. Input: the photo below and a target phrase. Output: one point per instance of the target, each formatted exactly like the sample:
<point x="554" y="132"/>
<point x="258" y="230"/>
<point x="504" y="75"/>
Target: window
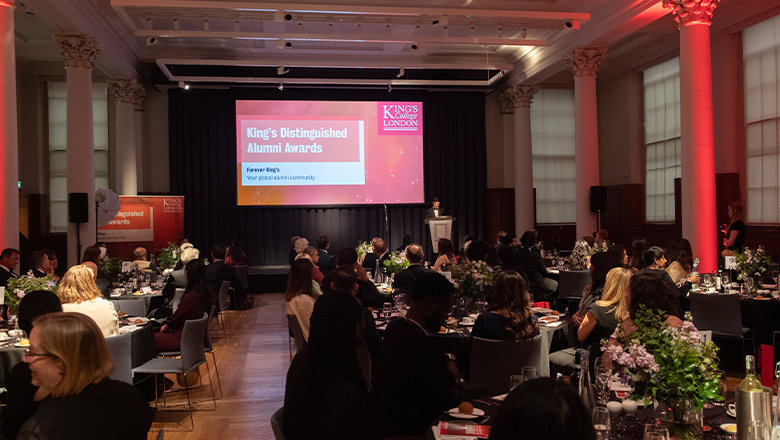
<point x="58" y="190"/>
<point x="761" y="52"/>
<point x="662" y="139"/>
<point x="552" y="137"/>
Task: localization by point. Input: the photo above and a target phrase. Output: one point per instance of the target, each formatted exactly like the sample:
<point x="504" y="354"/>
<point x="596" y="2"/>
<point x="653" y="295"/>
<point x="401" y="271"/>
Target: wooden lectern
<point x="441" y="227"/>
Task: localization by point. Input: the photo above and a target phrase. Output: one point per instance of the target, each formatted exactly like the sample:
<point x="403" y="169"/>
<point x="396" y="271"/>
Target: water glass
<point x="725" y="282"/>
<point x="530" y="373"/>
<point x="515" y="380"/>
<point x="664" y="417"/>
<point x="757" y="430"/>
<point x="602" y="386"/>
<point x="387" y="310"/>
<point x="601" y="423"/>
<point x="400" y="304"/>
<point x="655" y="432"/>
<point x="707" y="279"/>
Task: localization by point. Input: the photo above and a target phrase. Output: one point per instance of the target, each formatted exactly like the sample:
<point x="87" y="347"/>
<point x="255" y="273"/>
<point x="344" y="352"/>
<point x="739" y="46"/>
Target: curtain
<point x="202" y="143"/>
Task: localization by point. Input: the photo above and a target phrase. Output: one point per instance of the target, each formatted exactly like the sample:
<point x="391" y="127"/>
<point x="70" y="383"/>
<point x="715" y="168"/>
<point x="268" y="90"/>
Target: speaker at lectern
<point x="441" y="227"/>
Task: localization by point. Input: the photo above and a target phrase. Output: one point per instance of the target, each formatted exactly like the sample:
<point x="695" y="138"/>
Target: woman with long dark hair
<point x="638" y="247"/>
<point x="653" y="262"/>
<point x="235" y="256"/>
<point x="326" y="395"/>
<point x="197" y="299"/>
<point x="446" y="255"/>
<point x="301" y="292"/>
<point x="509" y="315"/>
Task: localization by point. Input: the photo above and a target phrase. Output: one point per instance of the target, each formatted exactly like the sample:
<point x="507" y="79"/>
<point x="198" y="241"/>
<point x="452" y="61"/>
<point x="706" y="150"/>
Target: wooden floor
<point x="253" y="365"/>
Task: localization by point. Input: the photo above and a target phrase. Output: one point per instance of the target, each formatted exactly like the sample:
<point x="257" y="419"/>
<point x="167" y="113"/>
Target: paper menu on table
<point x="2" y="295"/>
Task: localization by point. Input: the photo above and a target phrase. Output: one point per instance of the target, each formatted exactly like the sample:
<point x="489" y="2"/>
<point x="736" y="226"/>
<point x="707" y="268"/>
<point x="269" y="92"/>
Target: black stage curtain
<point x="202" y="136"/>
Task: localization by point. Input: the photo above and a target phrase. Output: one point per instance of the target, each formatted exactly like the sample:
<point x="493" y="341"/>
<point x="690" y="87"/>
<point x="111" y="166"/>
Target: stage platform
<point x="268" y="279"/>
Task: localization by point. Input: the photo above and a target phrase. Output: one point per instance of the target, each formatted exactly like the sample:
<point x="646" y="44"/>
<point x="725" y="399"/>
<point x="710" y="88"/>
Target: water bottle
<point x="585" y="390"/>
<point x="719" y="280"/>
<point x="378" y="272"/>
<point x="695" y="271"/>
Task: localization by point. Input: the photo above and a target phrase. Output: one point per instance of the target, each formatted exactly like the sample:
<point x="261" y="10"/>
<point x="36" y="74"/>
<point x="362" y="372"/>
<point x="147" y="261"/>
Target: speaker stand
<point x="598" y="221"/>
<point x="97" y="205"/>
<point x="78" y="242"/>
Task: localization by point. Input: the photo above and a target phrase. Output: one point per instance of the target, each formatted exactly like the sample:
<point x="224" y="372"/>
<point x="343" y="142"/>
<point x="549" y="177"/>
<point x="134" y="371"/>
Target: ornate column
<point x="9" y="147"/>
<point x="508" y="141"/>
<point x="126" y="92"/>
<point x="139" y="140"/>
<point x="79" y="53"/>
<point x="699" y="221"/>
<point x="585" y="61"/>
<point x="522" y="95"/>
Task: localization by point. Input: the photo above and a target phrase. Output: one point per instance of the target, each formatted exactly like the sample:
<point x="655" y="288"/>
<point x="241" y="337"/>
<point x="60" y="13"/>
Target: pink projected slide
<point x="329" y="152"/>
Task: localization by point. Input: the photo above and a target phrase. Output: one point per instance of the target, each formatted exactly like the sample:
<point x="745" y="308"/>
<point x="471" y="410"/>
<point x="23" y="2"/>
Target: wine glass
<point x="655" y="432"/>
<point x="707" y="280"/>
<point x="400" y="304"/>
<point x="601" y="423"/>
<point x="530" y="373"/>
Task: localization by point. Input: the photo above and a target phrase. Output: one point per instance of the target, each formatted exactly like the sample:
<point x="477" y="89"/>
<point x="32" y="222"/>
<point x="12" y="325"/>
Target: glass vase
<point x="687" y="423"/>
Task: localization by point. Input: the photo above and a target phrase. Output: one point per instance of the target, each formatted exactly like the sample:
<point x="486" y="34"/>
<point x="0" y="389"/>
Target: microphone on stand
<point x="387" y="222"/>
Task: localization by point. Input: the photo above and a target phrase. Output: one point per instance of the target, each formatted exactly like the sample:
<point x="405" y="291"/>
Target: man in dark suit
<point x="39" y="262"/>
<point x="406" y="278"/>
<point x="379" y="254"/>
<point x="218" y="271"/>
<point x="327" y="262"/>
<point x="542" y="288"/>
<point x="9" y="259"/>
<point x="435" y="210"/>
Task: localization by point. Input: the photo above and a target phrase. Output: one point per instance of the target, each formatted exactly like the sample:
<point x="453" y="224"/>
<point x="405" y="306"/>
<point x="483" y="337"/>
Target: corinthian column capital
<point x="691" y="11"/>
<point x="127" y="91"/>
<point x="522" y="95"/>
<point x="78" y="50"/>
<point x="585" y="61"/>
<point x="505" y="99"/>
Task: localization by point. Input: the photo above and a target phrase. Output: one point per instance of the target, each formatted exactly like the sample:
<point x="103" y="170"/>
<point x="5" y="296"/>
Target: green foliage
<point x="109" y="269"/>
<point x="363" y="247"/>
<point x="21" y="286"/>
<point x="474" y="280"/>
<point x="753" y="263"/>
<point x="167" y="257"/>
<point x="397" y="262"/>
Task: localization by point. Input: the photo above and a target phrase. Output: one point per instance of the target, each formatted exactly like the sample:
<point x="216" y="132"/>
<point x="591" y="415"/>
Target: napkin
<point x="554" y="324"/>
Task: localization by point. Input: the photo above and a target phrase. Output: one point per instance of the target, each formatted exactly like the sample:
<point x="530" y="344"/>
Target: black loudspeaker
<point x="598" y="198"/>
<point x="78" y="209"/>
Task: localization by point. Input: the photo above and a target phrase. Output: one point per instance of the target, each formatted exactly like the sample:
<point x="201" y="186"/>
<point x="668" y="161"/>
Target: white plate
<point x="458" y="415"/>
<point x="20" y="345"/>
<point x="726" y="425"/>
<point x="541" y="310"/>
<point x="548" y="319"/>
<point x="449" y="330"/>
<point x="463" y="324"/>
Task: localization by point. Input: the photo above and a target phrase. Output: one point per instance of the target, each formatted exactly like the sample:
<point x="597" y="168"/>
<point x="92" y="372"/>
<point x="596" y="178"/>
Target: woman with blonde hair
<point x="734" y="240"/>
<point x="68" y="356"/>
<point x="509" y="315"/>
<point x="79" y="293"/>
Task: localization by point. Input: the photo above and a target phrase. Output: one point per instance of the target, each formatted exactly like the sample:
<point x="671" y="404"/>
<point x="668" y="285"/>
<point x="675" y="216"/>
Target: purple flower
<point x="489" y="269"/>
<point x="51" y="284"/>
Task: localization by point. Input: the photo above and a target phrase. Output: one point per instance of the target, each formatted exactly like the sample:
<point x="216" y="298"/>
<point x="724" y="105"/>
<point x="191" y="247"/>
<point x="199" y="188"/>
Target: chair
<point x="176" y="299"/>
<point x="242" y="272"/>
<point x="492" y="362"/>
<point x="721" y="314"/>
<point x="208" y="347"/>
<point x="571" y="283"/>
<point x="131" y="307"/>
<point x="223" y="299"/>
<point x="297" y="332"/>
<point x="119" y="347"/>
<point x="192" y="356"/>
<point x="276" y="423"/>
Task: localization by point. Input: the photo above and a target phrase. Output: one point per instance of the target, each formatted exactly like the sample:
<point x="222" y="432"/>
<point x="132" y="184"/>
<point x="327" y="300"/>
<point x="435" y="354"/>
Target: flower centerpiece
<point x="167" y="257"/>
<point x="753" y="264"/>
<point x="601" y="246"/>
<point x="363" y="248"/>
<point x="473" y="282"/>
<point x="397" y="262"/>
<point x="19" y="287"/>
<point x="670" y="365"/>
<point x="109" y="269"/>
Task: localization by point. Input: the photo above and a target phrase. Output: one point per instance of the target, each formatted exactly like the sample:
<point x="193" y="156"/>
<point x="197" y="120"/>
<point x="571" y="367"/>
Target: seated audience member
<point x="293" y="253"/>
<point x="599" y="322"/>
<point x="9" y="259"/>
<point x="103" y="249"/>
<point x="53" y="263"/>
<point x="499" y="236"/>
<point x="197" y="300"/>
<point x="480" y="251"/>
<point x="326" y="262"/>
<point x="367" y="293"/>
<point x="505" y="256"/>
<point x="218" y="271"/>
<point x="406" y="278"/>
<point x="23" y="397"/>
<point x="679" y="264"/>
<point x="638" y="247"/>
<point x="162" y="307"/>
<point x="508" y="315"/>
<point x="345" y="278"/>
<point x="310" y="253"/>
<point x="509" y="240"/>
<point x="446" y="255"/>
<point x="235" y="256"/>
<point x="418" y="380"/>
<point x="140" y="260"/>
<point x="467" y="239"/>
<point x="68" y="356"/>
<point x="181" y="242"/>
<point x="654" y="260"/>
<point x="542" y="288"/>
<point x="326" y="396"/>
<point x="300" y="245"/>
<point x="378" y="253"/>
<point x="543" y="409"/>
<point x="179" y="264"/>
<point x="618" y="252"/>
<point x="92" y="254"/>
<point x="601" y="236"/>
<point x="39" y="263"/>
<point x="580" y="256"/>
<point x="300" y="294"/>
<point x="600" y="264"/>
<point x="589" y="240"/>
<point x="79" y="293"/>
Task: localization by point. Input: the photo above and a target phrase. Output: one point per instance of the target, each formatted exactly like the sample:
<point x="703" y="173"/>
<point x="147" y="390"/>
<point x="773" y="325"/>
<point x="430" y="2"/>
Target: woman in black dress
<point x="735" y="234"/>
